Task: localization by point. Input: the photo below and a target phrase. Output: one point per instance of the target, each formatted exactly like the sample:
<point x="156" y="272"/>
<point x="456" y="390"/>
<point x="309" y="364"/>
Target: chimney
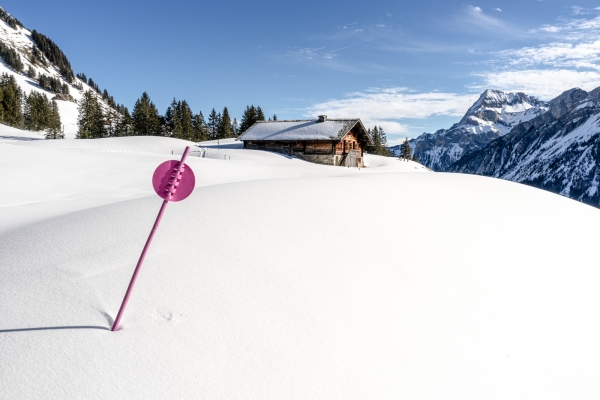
<point x="322" y="118"/>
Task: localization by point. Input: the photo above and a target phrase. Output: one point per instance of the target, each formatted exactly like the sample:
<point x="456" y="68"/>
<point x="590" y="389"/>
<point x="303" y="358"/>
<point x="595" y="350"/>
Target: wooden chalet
<point x="323" y="141"/>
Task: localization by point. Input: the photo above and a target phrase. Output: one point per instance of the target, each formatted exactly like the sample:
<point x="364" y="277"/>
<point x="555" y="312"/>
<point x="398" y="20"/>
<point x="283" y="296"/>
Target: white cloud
<point x="545" y="84"/>
<point x="358" y="30"/>
<point x="574" y="29"/>
<point x="576" y="10"/>
<point x="571" y="60"/>
<point x="380" y="26"/>
<point x="558" y="55"/>
<point x="387" y="107"/>
<point x="497" y="9"/>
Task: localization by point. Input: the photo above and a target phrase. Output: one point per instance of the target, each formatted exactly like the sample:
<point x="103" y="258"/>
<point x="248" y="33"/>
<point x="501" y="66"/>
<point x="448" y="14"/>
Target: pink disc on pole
<point x="171" y="184"/>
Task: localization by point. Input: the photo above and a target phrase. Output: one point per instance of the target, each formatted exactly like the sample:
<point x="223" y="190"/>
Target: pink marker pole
<point x="173" y="181"/>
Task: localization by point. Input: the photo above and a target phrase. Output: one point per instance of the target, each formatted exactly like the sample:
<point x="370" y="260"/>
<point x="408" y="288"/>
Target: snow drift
<point x="284" y="279"/>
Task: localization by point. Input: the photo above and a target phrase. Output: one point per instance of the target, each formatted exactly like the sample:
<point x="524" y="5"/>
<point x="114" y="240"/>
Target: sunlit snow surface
<point x="281" y="279"/>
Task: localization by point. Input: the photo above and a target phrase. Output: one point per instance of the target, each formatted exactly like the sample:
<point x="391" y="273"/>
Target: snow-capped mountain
<point x="493" y="115"/>
<point x="558" y="151"/>
<point x="14" y="36"/>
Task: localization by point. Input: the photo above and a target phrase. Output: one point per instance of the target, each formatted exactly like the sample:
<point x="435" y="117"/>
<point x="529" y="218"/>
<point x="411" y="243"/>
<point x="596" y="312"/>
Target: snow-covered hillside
<point x="493" y="115"/>
<point x="19" y="39"/>
<point x="279" y="278"/>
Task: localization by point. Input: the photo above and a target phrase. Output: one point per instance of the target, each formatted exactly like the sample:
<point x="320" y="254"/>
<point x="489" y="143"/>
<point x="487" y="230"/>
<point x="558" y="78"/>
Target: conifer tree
<point x="249" y="117"/>
<point x="37" y="111"/>
<point x="414" y="158"/>
<point x="200" y="128"/>
<point x="185" y="121"/>
<point x="31" y="72"/>
<point x="260" y="116"/>
<point x="90" y="122"/>
<point x="11" y="57"/>
<point x="124" y="125"/>
<point x="146" y="120"/>
<point x="11" y="100"/>
<point x="53" y="129"/>
<point x="376" y="140"/>
<point x="383" y="140"/>
<point x="235" y="129"/>
<point x="224" y="129"/>
<point x="379" y="139"/>
<point x="213" y="124"/>
<point x="274" y="117"/>
<point x="172" y="127"/>
<point x="405" y="150"/>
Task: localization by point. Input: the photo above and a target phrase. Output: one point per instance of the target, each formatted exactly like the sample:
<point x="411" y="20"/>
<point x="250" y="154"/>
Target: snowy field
<point x="282" y="279"/>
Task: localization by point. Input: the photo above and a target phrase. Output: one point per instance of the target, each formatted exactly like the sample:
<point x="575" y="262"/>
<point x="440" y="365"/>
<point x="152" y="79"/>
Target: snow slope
<point x="279" y="278"/>
<point x="20" y="40"/>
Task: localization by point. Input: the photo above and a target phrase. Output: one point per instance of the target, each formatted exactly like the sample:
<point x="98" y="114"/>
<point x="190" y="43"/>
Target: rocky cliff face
<point x="493" y="115"/>
<point x="558" y="151"/>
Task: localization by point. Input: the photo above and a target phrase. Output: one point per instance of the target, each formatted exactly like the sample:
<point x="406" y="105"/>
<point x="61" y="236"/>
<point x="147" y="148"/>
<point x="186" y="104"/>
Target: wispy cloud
<point x="388" y="106"/>
<point x="575" y="29"/>
<point x="497" y="9"/>
<point x="477" y="17"/>
<point x="571" y="59"/>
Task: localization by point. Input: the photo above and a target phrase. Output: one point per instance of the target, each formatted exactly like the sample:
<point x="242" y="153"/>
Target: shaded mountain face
<point x="493" y="115"/>
<point x="558" y="151"/>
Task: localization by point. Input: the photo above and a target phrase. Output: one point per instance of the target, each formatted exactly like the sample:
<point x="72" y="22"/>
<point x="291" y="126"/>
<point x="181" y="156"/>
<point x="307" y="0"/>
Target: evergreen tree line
<point x="34" y="112"/>
<point x="251" y="115"/>
<point x="11" y="57"/>
<point x="179" y="121"/>
<point x="9" y="19"/>
<point x="379" y="140"/>
<point x="41" y="114"/>
<point x="52" y="84"/>
<point x="105" y="95"/>
<point x="95" y="121"/>
<point x="37" y="57"/>
<point x="406" y="152"/>
<point x="54" y="54"/>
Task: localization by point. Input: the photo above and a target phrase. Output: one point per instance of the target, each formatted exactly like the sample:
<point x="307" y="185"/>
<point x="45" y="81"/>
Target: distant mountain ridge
<point x="493" y="115"/>
<point x="558" y="150"/>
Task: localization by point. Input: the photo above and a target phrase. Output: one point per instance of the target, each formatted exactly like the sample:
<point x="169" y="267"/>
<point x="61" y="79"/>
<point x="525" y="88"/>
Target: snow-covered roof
<point x="331" y="129"/>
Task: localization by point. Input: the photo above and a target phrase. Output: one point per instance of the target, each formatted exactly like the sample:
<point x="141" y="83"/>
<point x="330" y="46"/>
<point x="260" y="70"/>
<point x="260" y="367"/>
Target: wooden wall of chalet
<point x="349" y="142"/>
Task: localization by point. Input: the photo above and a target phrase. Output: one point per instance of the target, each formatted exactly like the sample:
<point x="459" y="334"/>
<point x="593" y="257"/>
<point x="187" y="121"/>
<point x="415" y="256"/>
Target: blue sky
<point x="407" y="66"/>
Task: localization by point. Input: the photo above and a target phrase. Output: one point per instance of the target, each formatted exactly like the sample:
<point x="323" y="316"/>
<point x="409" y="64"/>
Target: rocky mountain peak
<point x="493" y="115"/>
<point x="493" y="103"/>
<point x="565" y="102"/>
